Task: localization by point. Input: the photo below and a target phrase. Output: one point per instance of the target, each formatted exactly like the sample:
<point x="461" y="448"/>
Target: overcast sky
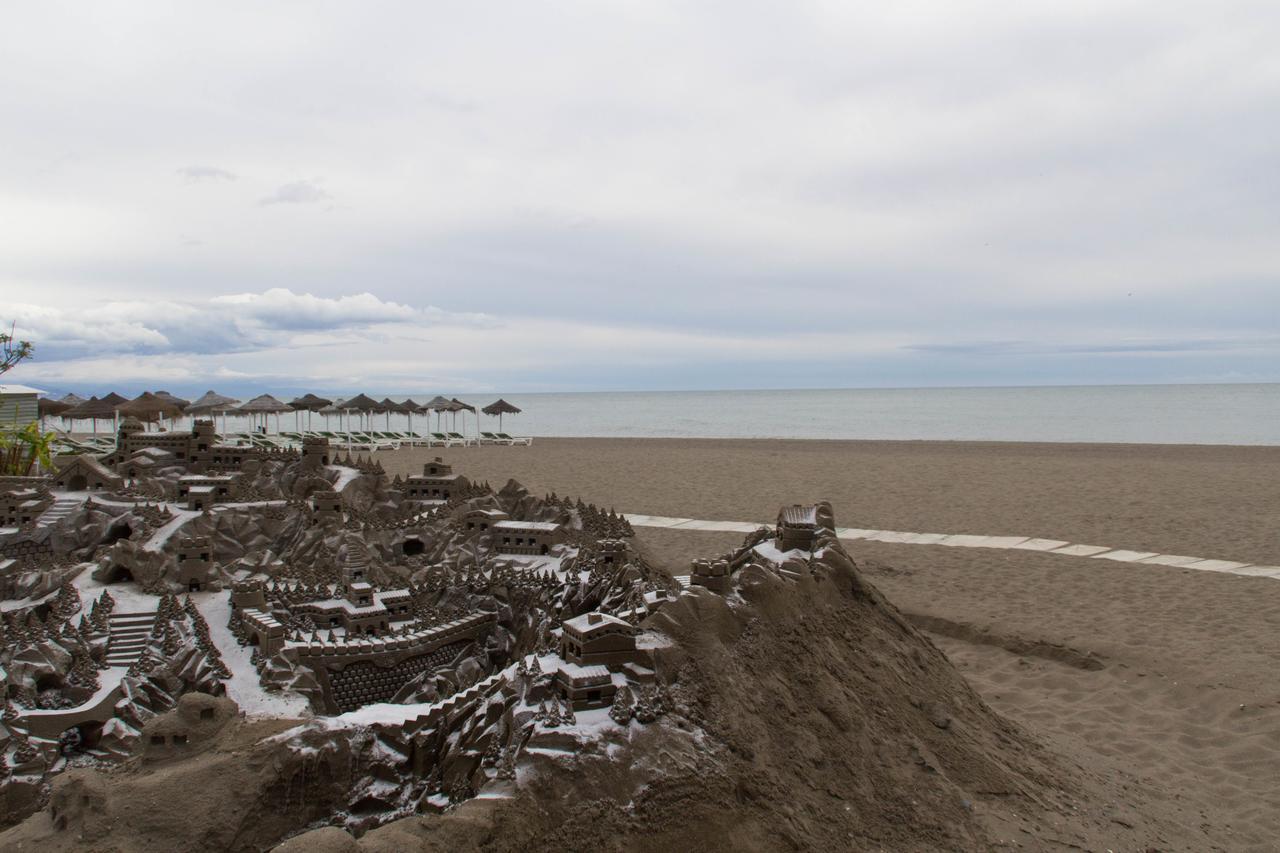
<point x="575" y="196"/>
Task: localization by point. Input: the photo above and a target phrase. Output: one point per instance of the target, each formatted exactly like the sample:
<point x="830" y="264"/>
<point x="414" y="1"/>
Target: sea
<point x="1155" y="414"/>
<point x="1144" y="414"/>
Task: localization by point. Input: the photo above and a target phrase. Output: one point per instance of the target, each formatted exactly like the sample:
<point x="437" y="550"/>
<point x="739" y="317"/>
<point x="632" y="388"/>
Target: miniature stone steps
<point x="128" y="637"/>
<point x="58" y="510"/>
<point x="684" y="580"/>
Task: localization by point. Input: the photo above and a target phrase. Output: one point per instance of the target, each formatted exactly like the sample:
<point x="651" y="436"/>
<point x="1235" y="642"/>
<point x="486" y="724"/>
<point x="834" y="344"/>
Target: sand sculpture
<point x="381" y="649"/>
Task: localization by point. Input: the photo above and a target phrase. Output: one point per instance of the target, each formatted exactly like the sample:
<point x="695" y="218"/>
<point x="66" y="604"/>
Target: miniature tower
<point x="129" y="427"/>
<point x="195" y="566"/>
<point x="315" y="452"/>
<point x="203" y="438"/>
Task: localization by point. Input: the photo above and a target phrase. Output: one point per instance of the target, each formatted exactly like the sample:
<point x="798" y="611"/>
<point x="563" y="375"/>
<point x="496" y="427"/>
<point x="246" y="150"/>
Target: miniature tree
<point x="644" y="710"/>
<point x="623" y="705"/>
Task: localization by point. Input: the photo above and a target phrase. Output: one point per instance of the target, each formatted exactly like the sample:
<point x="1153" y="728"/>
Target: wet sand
<point x="1160" y="676"/>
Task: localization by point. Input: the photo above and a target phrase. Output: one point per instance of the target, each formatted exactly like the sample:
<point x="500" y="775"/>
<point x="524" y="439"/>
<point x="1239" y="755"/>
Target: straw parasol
<point x="46" y="407"/>
<point x="361" y="403"/>
<point x="265" y="405"/>
<point x="307" y="403"/>
<point x="149" y="407"/>
<point x="437" y="404"/>
<point x="388" y="406"/>
<point x="212" y="403"/>
<point x="455" y="406"/>
<point x="412" y="407"/>
<point x="500" y="407"/>
<point x="91" y="410"/>
<point x="165" y="395"/>
<point x="72" y="399"/>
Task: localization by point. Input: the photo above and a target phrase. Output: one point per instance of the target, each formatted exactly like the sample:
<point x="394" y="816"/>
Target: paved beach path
<point x="964" y="540"/>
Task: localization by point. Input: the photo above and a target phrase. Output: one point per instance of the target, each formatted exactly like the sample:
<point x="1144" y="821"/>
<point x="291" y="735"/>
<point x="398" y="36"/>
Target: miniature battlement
<point x="437" y="635"/>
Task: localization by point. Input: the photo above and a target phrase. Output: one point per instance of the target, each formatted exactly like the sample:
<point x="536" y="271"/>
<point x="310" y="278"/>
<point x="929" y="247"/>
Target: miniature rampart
<point x="371" y="669"/>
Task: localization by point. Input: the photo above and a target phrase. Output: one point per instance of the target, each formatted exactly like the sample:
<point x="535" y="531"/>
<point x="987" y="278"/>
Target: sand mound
<point x="808" y="715"/>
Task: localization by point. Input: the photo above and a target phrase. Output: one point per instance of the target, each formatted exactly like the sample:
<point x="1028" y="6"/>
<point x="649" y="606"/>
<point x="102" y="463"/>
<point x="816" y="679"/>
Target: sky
<point x="560" y="196"/>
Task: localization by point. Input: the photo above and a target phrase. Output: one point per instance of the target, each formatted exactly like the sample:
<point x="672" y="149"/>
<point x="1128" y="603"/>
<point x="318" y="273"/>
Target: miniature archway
<point x="116" y="532"/>
<point x="118" y="574"/>
<point x="78" y="483"/>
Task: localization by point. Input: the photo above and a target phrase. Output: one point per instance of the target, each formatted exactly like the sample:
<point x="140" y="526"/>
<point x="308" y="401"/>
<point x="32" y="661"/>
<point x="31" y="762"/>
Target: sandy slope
<point x="1163" y="676"/>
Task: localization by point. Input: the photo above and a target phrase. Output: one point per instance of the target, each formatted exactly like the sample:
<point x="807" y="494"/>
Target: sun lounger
<point x="460" y="438"/>
<point x="441" y="438"/>
<point x="491" y="438"/>
<point x="514" y="439"/>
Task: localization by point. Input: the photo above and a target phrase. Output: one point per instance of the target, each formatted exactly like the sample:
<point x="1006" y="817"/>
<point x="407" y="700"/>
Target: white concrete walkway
<point x="964" y="540"/>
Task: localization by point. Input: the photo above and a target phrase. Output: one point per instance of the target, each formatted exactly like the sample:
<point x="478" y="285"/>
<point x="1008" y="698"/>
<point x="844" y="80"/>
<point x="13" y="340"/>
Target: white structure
<point x="18" y="405"/>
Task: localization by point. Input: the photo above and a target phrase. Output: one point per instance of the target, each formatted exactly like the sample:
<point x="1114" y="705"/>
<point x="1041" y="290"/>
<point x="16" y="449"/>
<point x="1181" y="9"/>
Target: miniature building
<point x="195" y="721"/>
<point x="200" y="497"/>
<point x="361" y="609"/>
<point x="598" y="639"/>
<point x="195" y="564"/>
<point x="326" y="504"/>
<point x="315" y="452"/>
<point x="714" y="575"/>
<point x="21" y="507"/>
<point x="585" y="687"/>
<point x="249" y="595"/>
<point x="84" y="473"/>
<point x="222" y="484"/>
<point x="525" y="537"/>
<point x="436" y="482"/>
<point x="263" y="631"/>
<point x="483" y="519"/>
<point x="613" y="551"/>
<point x="197" y="447"/>
<point x="797" y="526"/>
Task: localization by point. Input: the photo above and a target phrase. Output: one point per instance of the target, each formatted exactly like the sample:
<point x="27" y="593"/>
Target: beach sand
<point x="1161" y="677"/>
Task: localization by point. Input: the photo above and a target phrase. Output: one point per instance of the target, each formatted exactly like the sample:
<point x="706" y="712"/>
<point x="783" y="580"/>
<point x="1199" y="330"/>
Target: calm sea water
<point x="1193" y="414"/>
<point x="1151" y="414"/>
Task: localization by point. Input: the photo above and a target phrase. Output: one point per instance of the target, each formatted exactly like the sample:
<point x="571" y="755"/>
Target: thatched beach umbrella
<point x="439" y="405"/>
<point x="71" y="399"/>
<point x="411" y="408"/>
<point x="362" y="403"/>
<point x="387" y="405"/>
<point x="165" y="395"/>
<point x="91" y="410"/>
<point x="265" y="405"/>
<point x="213" y="404"/>
<point x="500" y="407"/>
<point x="308" y="403"/>
<point x="48" y="407"/>
<point x="149" y="407"/>
<point x="456" y="406"/>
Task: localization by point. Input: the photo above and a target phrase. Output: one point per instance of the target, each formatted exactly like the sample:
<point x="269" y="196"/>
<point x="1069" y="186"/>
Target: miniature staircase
<point x="683" y="580"/>
<point x="129" y="635"/>
<point x="58" y="510"/>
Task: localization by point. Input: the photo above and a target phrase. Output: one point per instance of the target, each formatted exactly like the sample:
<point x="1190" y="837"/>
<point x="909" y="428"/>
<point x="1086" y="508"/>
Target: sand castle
<point x="176" y="566"/>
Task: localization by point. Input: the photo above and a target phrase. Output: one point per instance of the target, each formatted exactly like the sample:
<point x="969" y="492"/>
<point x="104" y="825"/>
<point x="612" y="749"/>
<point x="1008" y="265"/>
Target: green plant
<point x="12" y="351"/>
<point x="21" y="449"/>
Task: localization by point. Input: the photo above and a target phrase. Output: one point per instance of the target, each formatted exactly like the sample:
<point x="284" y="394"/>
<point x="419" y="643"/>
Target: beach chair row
<point x="372" y="440"/>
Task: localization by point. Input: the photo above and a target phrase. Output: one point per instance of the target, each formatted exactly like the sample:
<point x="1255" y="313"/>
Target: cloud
<point x="194" y="174"/>
<point x="236" y="323"/>
<point x="296" y="192"/>
<point x="279" y="308"/>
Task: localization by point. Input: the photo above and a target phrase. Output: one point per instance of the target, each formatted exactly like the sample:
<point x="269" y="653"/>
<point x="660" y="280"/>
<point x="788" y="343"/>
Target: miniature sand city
<point x="298" y="649"/>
